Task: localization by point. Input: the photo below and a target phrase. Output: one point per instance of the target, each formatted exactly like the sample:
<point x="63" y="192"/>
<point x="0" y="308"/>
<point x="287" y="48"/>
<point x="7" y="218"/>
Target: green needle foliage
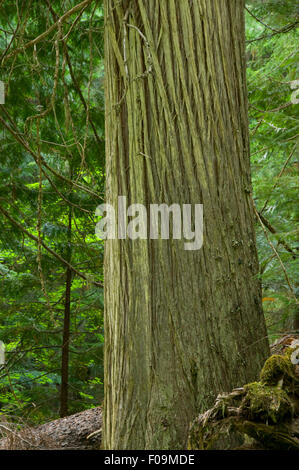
<point x="272" y="54"/>
<point x="52" y="154"/>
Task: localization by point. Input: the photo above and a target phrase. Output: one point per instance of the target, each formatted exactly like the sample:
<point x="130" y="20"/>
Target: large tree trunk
<point x="179" y="325"/>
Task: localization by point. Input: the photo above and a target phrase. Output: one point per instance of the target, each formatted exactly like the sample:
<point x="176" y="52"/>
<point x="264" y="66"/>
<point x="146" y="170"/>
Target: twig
<point x="18" y="136"/>
<point x="285" y="29"/>
<point x="52" y="28"/>
<point x="276" y="254"/>
<point x="278" y="177"/>
<point x="60" y="258"/>
<point x="260" y="21"/>
<point x="18" y="435"/>
<point x="75" y="82"/>
<point x="274" y="231"/>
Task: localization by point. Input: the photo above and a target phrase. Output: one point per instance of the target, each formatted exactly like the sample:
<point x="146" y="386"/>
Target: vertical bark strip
<point x="66" y="327"/>
<point x="180" y="326"/>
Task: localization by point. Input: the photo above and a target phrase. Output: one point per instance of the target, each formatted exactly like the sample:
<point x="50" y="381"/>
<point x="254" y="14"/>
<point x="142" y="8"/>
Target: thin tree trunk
<point x="180" y="326"/>
<point x="66" y="327"/>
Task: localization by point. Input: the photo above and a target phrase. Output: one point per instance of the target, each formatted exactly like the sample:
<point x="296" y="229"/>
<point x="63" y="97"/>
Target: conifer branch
<point x="52" y="252"/>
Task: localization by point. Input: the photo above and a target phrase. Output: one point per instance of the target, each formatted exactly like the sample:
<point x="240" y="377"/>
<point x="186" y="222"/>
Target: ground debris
<point x="259" y="415"/>
<point x="81" y="431"/>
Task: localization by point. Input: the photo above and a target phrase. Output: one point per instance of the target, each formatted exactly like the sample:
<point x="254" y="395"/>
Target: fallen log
<point x="81" y="431"/>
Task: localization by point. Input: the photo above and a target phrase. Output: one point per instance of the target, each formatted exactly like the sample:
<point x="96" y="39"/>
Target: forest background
<point x="52" y="176"/>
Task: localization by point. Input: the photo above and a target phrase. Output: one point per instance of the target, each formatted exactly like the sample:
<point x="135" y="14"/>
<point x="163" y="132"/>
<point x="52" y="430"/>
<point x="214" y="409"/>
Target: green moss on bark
<point x="277" y="368"/>
<point x="262" y="414"/>
<point x="266" y="403"/>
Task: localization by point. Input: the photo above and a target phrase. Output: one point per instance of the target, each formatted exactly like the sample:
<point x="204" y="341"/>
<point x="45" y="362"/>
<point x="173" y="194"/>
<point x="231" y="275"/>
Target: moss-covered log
<point x="263" y="415"/>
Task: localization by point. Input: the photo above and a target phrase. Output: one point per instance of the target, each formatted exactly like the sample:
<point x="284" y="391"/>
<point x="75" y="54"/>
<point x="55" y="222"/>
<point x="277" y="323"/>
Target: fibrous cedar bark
<point x="179" y="325"/>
